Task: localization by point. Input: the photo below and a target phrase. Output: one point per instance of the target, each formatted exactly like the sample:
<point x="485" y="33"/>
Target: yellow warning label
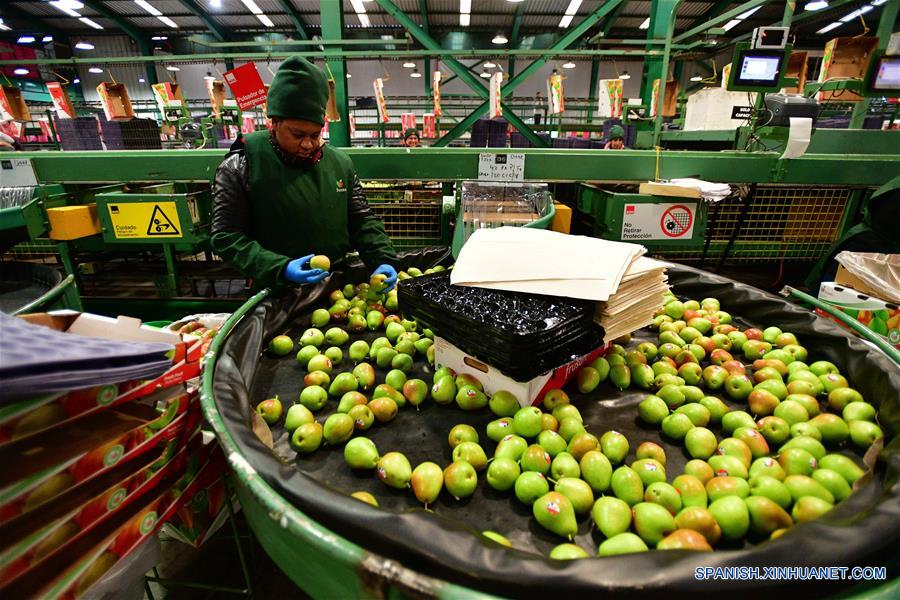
<point x="154" y="220"/>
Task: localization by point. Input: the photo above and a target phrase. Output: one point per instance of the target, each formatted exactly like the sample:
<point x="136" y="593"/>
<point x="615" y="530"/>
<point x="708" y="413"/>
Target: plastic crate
<point x="410" y="224"/>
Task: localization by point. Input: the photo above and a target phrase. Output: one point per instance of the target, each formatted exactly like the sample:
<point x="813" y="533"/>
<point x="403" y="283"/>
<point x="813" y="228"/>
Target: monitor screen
<point x="887" y="74"/>
<point x="759" y="68"/>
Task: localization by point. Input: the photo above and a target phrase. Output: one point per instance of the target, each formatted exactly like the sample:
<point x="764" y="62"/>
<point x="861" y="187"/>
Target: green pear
<point x="642" y="376"/>
<point x="320" y="317"/>
<point x="460" y="479"/>
<point x="720" y="487"/>
<point x="796" y="461"/>
<point x="362" y="416"/>
<point x="652" y="522"/>
<point x="512" y="447"/>
<point x="623" y="543"/>
<point x="700" y="442"/>
<point x="502" y="473"/>
<point x="771" y="488"/>
<point x="360" y="453"/>
<point x="838" y="398"/>
<point x="319" y="362"/>
<point x="549" y="423"/>
<point x="649" y="470"/>
<point x="834" y="429"/>
<point x="627" y="485"/>
<point x="807" y="430"/>
<point x="444" y="390"/>
<point x="724" y="465"/>
<point x="336" y="336"/>
<point x="699" y="519"/>
<point x="356" y="322"/>
<point x="415" y="391"/>
<point x="406" y="347"/>
<point x="377" y="345"/>
<point x="653" y="410"/>
<point x="754" y="440"/>
<point x="471" y="453"/>
<point x="270" y="410"/>
<point x="496" y="537"/>
<point x="365" y="497"/>
<point x="672" y="395"/>
<point x="801" y="486"/>
<point x="565" y="411"/>
<point x="864" y="433"/>
<point x="564" y="465"/>
<point x="615" y="446"/>
<point x="394" y="470"/>
<point x="737" y="418"/>
<point x="809" y="508"/>
<point x="312" y="337"/>
<point x="384" y="409"/>
<point x="691" y="489"/>
<point x="335" y="355"/>
<point x="305" y="354"/>
<point x="810" y="444"/>
<point x="588" y="379"/>
<point x="395" y="378"/>
<point x="421" y="345"/>
<point x="611" y="516"/>
<point x="766" y="516"/>
<point x="365" y="375"/>
<point x="503" y="404"/>
<point x="736" y="448"/>
<point x="555" y="513"/>
<point x="470" y="380"/>
<point x="319" y="378"/>
<point x="427" y="480"/>
<point x="834" y="483"/>
<point x="699" y="469"/>
<point x="470" y="398"/>
<point x="858" y="411"/>
<point x="462" y="433"/>
<point x="393" y="331"/>
<point x="351" y="399"/>
<point x="651" y="450"/>
<point x="842" y="465"/>
<point x="313" y="397"/>
<point x="555" y="398"/>
<point x="620" y="376"/>
<point x="527" y="421"/>
<point x="684" y="539"/>
<point x="596" y="470"/>
<point x="774" y="429"/>
<point x="343" y="383"/>
<point x="550" y="441"/>
<point x="384" y="356"/>
<point x="577" y="491"/>
<point x="581" y="443"/>
<point x="296" y="416"/>
<point x="386" y="391"/>
<point x="601" y="365"/>
<point x="337" y="429"/>
<point x="530" y="486"/>
<point x="403" y="362"/>
<point x="307" y="438"/>
<point x="732" y="515"/>
<point x="665" y="495"/>
<point x="676" y="426"/>
<point x="536" y="459"/>
<point x="567" y="552"/>
<point x="766" y="466"/>
<point x="569" y="428"/>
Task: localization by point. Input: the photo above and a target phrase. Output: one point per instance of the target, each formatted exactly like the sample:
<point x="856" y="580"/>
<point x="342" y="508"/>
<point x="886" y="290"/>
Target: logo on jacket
<point x="340" y="186"/>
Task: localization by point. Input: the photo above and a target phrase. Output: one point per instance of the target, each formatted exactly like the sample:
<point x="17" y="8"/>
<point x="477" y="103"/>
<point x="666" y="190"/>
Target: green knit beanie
<point x="410" y="132"/>
<point x="299" y="90"/>
<point x="616" y="131"/>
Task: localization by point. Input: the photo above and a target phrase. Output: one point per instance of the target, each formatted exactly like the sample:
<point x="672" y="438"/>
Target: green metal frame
<point x="332" y="15"/>
<point x="288" y="7"/>
<point x="64" y="294"/>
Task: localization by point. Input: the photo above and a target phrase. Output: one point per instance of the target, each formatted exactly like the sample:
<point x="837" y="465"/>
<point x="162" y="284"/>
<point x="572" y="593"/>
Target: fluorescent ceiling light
<point x="361" y="13"/>
<point x="878" y="2"/>
<point x="21" y="71"/>
<point x="565" y="21"/>
<point x="485" y="75"/>
<point x="515" y="1"/>
<point x="624" y="75"/>
<point x="95" y="70"/>
<point x="265" y="20"/>
<point x="464" y="19"/>
<point x="743" y="16"/>
<point x="573" y="7"/>
<point x="82" y="45"/>
<point x="409" y="64"/>
<point x="159" y="38"/>
<point x="25" y="39"/>
<point x="828" y="28"/>
<point x="349" y="75"/>
<point x="490" y="65"/>
<point x="499" y="39"/>
<point x="215" y="3"/>
<point x="415" y="73"/>
<point x="141" y="80"/>
<point x="70" y="7"/>
<point x="569" y="65"/>
<point x="816" y="5"/>
<point x="4" y="27"/>
<point x="90" y="23"/>
<point x="209" y="76"/>
<point x="47" y="39"/>
<point x="168" y="22"/>
<point x="148" y="7"/>
<point x="465" y="6"/>
<point x="645" y="24"/>
<point x="172" y="68"/>
<point x="76" y="80"/>
<point x="731" y="24"/>
<point x="856" y="13"/>
<point x="364" y="20"/>
<point x="696" y="78"/>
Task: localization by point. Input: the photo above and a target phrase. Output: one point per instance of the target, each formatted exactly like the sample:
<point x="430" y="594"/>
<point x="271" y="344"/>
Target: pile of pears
<point x="773" y="465"/>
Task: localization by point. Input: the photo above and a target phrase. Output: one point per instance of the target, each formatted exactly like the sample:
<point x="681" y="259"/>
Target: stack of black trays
<point x="134" y="134"/>
<point x="80" y="133"/>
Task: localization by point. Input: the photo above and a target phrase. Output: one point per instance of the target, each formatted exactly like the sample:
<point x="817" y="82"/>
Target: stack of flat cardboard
<point x="632" y="305"/>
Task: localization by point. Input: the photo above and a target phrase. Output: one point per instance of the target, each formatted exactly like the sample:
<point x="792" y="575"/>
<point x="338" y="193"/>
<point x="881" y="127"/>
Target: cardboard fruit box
<point x="12" y="104"/>
<point x="26" y="542"/>
<point x="63" y="456"/>
<point x="878" y="315"/>
<point x="115" y="101"/>
<point x="528" y="393"/>
<point x="204" y="511"/>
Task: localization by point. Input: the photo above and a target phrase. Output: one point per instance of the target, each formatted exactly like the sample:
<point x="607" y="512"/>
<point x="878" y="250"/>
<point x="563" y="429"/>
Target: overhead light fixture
<point x="265" y="20"/>
<point x="570" y="13"/>
<point x="415" y="73"/>
<point x="70" y="7"/>
<point x="90" y="23"/>
<point x="624" y="75"/>
<point x="645" y="24"/>
<point x="159" y="38"/>
<point x="254" y="8"/>
<point x="484" y="74"/>
<point x="360" y="13"/>
<point x="828" y="28"/>
<point x="731" y="24"/>
<point x="409" y="64"/>
<point x="499" y="39"/>
<point x="465" y="12"/>
<point x="168" y="22"/>
<point x="21" y="71"/>
<point x="515" y="1"/>
<point x="95" y="70"/>
<point x="697" y="78"/>
<point x="857" y="13"/>
<point x="565" y="21"/>
<point x="215" y="3"/>
<point x="26" y="39"/>
<point x="141" y="80"/>
<point x="172" y="68"/>
<point x="490" y="64"/>
<point x="349" y="75"/>
<point x="148" y="7"/>
<point x="816" y="5"/>
<point x="76" y="80"/>
<point x="209" y="76"/>
<point x="82" y="45"/>
<point x="46" y="39"/>
<point x="568" y="65"/>
<point x="747" y="14"/>
<point x="4" y="26"/>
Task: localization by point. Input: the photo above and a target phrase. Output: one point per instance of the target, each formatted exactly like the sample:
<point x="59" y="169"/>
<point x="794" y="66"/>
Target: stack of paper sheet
<point x="537" y="261"/>
<point x="710" y="191"/>
<point x="638" y="296"/>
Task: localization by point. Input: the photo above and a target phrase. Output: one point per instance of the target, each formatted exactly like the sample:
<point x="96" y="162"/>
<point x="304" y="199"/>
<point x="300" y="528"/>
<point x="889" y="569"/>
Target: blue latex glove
<point x="391" y="274"/>
<point x="298" y="271"/>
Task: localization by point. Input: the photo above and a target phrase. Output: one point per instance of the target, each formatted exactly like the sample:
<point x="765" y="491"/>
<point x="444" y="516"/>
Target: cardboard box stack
<point x="97" y="437"/>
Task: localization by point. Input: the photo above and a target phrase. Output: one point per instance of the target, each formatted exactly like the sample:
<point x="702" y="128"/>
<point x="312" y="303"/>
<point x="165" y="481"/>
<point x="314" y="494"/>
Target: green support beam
<point x="461" y="71"/>
<point x="514" y="37"/>
<point x="423" y="14"/>
<point x="713" y="11"/>
<point x="609" y="22"/>
<point x="662" y="13"/>
<point x="288" y="7"/>
<point x="722" y="18"/>
<point x="139" y="37"/>
<point x="195" y="9"/>
<point x="332" y="16"/>
<point x="592" y="91"/>
<point x="470" y="67"/>
<point x="885" y="28"/>
<point x="664" y="68"/>
<point x="789" y="7"/>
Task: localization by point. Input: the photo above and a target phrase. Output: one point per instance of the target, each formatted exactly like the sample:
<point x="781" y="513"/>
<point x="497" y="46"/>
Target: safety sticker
<point x="662" y="221"/>
<point x="135" y="220"/>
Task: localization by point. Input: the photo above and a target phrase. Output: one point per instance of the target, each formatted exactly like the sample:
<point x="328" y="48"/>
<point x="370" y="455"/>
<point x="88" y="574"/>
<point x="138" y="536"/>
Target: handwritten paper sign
<point x="501" y="167"/>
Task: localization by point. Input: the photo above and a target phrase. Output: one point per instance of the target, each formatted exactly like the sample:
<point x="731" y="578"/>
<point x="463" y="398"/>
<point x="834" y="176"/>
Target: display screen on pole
<point x="887" y="74"/>
<point x="759" y="67"/>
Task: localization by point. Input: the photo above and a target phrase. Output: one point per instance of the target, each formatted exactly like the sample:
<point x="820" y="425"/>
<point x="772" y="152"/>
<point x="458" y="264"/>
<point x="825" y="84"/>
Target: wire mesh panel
<point x="411" y="214"/>
<point x="781" y="222"/>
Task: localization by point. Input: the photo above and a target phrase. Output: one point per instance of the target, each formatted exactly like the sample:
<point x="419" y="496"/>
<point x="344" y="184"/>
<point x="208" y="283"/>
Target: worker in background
<point x="282" y="195"/>
<point x="8" y="142"/>
<point x="411" y="138"/>
<point x="616" y="138"/>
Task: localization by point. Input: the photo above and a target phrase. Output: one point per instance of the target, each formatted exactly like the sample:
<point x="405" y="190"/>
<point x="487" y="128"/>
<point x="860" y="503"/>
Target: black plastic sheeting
<point x="861" y="531"/>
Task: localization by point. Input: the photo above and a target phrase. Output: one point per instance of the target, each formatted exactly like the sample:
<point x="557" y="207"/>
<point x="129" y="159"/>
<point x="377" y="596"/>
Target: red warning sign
<point x="676" y="221"/>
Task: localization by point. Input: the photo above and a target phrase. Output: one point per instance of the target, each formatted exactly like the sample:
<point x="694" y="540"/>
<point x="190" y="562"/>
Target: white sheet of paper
<point x="799" y="135"/>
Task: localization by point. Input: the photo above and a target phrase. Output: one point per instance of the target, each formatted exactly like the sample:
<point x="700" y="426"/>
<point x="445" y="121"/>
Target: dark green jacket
<point x="267" y="213"/>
